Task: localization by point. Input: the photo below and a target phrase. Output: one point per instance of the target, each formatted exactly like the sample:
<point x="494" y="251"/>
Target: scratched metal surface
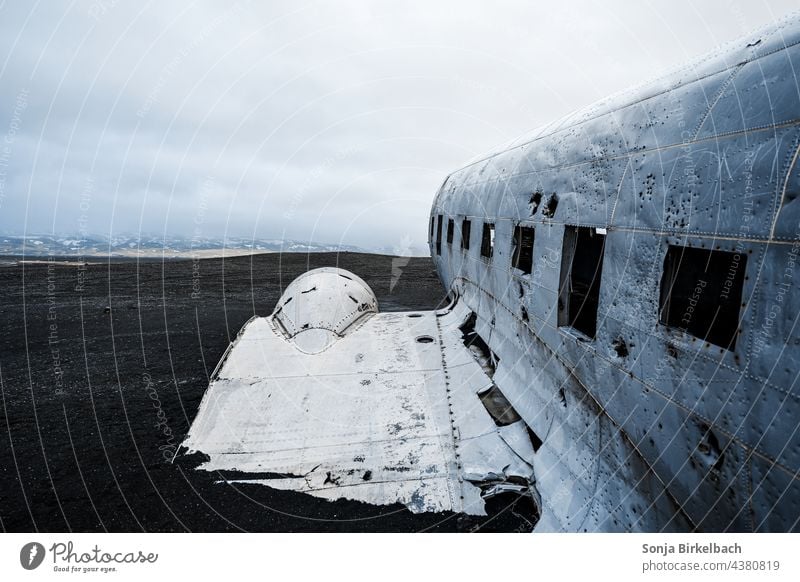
<point x="387" y="411"/>
<point x="320" y="305"/>
<point x="706" y="156"/>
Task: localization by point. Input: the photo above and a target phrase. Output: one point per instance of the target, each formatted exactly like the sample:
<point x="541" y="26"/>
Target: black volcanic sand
<point x="86" y="351"/>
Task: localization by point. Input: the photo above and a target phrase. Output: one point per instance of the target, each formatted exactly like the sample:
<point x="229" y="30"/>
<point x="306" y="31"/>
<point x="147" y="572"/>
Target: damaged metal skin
<point x="669" y="400"/>
<point x="631" y="367"/>
<point x="376" y="407"/>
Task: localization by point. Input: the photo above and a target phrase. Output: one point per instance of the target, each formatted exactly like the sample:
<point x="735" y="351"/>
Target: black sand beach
<point x="102" y="368"/>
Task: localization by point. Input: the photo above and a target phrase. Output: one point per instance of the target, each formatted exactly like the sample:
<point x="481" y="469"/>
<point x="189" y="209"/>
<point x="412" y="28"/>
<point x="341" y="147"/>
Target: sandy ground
<point x="102" y="368"/>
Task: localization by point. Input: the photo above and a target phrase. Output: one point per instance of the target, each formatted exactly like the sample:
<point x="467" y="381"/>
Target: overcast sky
<point x="325" y="121"/>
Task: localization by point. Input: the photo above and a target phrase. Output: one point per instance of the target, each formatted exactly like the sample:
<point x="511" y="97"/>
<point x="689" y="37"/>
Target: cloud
<point x="328" y="121"/>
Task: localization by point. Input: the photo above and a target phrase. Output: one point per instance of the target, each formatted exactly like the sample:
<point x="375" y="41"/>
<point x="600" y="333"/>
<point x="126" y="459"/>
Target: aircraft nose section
<point x="321" y="306"/>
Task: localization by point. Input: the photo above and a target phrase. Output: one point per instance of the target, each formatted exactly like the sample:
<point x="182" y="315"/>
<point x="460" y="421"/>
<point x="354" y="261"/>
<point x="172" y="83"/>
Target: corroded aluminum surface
<point x="387" y="413"/>
<point x="704" y="157"/>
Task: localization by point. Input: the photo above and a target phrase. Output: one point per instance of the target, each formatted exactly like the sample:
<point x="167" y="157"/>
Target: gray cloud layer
<point x="327" y="121"/>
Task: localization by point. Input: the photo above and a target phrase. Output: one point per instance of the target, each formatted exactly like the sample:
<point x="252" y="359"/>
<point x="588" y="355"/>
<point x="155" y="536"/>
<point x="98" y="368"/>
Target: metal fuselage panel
<point x="704" y="158"/>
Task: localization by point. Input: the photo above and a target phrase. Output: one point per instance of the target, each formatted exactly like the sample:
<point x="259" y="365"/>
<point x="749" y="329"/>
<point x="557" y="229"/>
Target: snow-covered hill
<point x="155" y="246"/>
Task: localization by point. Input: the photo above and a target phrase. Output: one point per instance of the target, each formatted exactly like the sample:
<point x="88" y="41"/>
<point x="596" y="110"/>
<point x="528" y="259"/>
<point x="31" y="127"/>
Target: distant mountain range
<point x="155" y="246"/>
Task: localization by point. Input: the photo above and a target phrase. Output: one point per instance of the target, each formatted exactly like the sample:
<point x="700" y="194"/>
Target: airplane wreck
<point x="330" y="397"/>
<point x="621" y="344"/>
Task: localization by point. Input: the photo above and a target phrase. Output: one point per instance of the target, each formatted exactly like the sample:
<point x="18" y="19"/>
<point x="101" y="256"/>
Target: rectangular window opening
<point x="450" y="228"/>
<point x="522" y="257"/>
<point x="498" y="406"/>
<point x="439" y="235"/>
<point x="466" y="231"/>
<point x="701" y="293"/>
<point x="581" y="270"/>
<point x="487" y="240"/>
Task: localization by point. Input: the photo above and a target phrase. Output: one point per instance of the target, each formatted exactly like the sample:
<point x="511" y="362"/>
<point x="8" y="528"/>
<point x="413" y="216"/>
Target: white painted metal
<point x="321" y="305"/>
<point x="673" y="432"/>
<point x="366" y="418"/>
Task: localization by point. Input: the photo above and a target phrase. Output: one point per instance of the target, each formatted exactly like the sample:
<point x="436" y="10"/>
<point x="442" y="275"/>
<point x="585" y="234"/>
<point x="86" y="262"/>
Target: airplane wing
<point x="330" y="397"/>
